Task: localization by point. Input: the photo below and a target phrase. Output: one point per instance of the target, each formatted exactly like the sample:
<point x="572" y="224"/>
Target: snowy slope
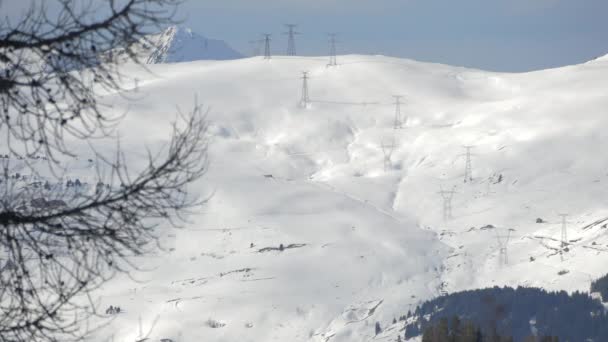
<point x="368" y="244"/>
<point x="179" y="44"/>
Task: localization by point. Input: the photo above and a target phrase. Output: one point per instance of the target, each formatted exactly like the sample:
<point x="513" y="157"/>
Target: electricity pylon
<point x="305" y="100"/>
<point x="267" y="40"/>
<point x="489" y="185"/>
<point x="398" y="119"/>
<point x="387" y="151"/>
<point x="503" y="243"/>
<point x="333" y="60"/>
<point x="468" y="168"/>
<point x="291" y="40"/>
<point x="447" y="202"/>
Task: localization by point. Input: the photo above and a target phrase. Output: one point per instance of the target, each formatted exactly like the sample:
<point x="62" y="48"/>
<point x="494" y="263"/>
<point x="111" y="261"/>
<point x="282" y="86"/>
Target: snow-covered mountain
<point x="364" y="239"/>
<point x="179" y="44"/>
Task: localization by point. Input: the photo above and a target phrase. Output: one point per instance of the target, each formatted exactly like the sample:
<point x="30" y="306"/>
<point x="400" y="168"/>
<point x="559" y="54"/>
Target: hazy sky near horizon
<point x="500" y="35"/>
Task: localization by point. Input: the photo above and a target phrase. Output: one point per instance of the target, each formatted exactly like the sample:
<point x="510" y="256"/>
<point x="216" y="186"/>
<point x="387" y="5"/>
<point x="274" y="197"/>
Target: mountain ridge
<point x="177" y="44"/>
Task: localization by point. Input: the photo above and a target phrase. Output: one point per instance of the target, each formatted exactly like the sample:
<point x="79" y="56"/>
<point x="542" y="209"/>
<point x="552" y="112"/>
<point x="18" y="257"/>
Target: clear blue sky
<point x="501" y="35"/>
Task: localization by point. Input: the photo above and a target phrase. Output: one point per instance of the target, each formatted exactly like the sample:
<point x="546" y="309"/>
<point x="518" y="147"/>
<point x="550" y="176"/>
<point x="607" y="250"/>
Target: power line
<point x="398" y="124"/>
<point x="291" y="41"/>
<point x="447" y="202"/>
<point x="267" y="39"/>
<point x="305" y="100"/>
<point x="333" y="59"/>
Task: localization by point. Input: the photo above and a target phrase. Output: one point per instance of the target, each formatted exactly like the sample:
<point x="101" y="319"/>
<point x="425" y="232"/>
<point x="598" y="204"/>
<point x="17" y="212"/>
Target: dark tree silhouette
<point x="507" y="314"/>
<point x="601" y="286"/>
<point x="59" y="244"/>
<point x="377" y="328"/>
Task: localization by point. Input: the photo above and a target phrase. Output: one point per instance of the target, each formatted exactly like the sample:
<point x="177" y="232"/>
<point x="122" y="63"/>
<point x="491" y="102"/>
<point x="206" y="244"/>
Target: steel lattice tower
<point x="387" y="151"/>
<point x="447" y="203"/>
<point x="398" y="120"/>
<point x="333" y="60"/>
<point x="291" y="41"/>
<point x="503" y="243"/>
<point x="468" y="168"/>
<point x="305" y="100"/>
<point x="267" y="40"/>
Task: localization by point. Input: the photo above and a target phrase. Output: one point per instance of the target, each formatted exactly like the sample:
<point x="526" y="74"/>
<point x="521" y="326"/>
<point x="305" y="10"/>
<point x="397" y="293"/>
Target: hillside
<point x="363" y="240"/>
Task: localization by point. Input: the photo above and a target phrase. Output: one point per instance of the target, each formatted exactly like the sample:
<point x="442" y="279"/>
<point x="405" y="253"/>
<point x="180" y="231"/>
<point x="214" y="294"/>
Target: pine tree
<point x="428" y="335"/>
<point x="378" y="328"/>
<point x="442" y="331"/>
<point x="549" y="339"/>
<point x="456" y="330"/>
<point x="479" y="336"/>
<point x="468" y="333"/>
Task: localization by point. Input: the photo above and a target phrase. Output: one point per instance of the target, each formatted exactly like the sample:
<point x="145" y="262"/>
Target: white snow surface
<point x="369" y="244"/>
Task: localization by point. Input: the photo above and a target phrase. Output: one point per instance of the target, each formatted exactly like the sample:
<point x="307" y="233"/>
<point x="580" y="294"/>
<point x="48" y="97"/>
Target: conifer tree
<point x="378" y="328"/>
<point x="456" y="330"/>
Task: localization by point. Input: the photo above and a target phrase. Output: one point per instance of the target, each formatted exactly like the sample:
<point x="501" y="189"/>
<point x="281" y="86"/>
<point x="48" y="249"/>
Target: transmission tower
<point x="387" y="151"/>
<point x="267" y="40"/>
<point x="398" y="119"/>
<point x="468" y="168"/>
<point x="503" y="243"/>
<point x="305" y="98"/>
<point x="291" y="41"/>
<point x="489" y="183"/>
<point x="333" y="60"/>
<point x="447" y="202"/>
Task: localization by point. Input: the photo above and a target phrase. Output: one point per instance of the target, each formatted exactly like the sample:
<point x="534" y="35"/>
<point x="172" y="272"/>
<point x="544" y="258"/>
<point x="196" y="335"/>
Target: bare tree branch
<point x="61" y="239"/>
